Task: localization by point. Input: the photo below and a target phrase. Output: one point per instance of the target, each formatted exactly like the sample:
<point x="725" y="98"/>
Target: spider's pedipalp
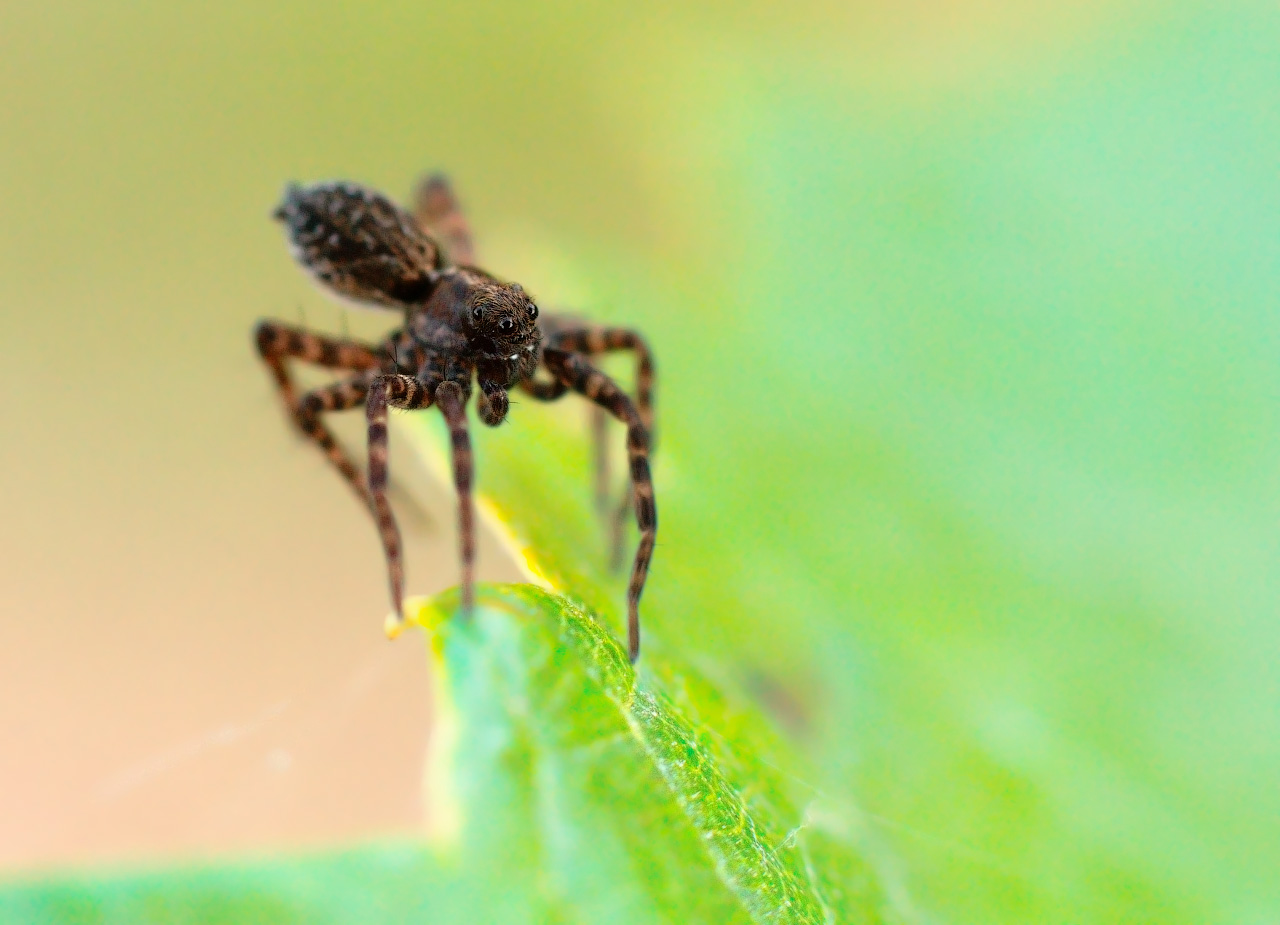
<point x="493" y="402"/>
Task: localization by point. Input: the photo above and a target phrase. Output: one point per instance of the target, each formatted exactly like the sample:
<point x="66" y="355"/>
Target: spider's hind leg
<point x="440" y="215"/>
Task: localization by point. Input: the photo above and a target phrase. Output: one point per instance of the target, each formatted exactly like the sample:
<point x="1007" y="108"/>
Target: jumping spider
<point x="459" y="323"/>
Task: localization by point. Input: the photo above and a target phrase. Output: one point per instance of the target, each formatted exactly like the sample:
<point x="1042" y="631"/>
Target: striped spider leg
<point x="573" y="335"/>
<point x="278" y="342"/>
<point x="440" y="214"/>
<point x="573" y="372"/>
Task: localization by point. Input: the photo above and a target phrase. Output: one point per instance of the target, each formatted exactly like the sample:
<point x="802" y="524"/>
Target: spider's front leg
<point x="574" y="372"/>
<point x="593" y="341"/>
<point x="452" y="399"/>
<point x="569" y="335"/>
<point x="400" y="391"/>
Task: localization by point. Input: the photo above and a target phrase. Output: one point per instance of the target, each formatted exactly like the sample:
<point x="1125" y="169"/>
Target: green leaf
<point x="616" y="796"/>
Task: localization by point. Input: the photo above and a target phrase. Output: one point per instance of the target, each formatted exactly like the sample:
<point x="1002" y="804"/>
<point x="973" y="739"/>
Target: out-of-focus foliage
<point x="400" y="882"/>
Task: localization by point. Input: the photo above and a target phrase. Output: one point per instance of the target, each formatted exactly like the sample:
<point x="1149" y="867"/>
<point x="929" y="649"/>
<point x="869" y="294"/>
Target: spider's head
<point x="500" y="321"/>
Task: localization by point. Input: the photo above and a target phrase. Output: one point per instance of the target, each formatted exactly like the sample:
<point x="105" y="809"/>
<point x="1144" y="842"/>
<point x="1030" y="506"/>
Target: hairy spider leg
<point x="604" y="504"/>
<point x="398" y="391"/>
<point x="440" y="215"/>
<point x="452" y="400"/>
<point x="543" y="391"/>
<point x="337" y="396"/>
<point x="576" y="373"/>
<point x="280" y="342"/>
<point x="593" y="340"/>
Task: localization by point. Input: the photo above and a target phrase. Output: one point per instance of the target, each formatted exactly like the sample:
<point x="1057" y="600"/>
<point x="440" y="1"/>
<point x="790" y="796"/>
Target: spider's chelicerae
<point x="460" y="324"/>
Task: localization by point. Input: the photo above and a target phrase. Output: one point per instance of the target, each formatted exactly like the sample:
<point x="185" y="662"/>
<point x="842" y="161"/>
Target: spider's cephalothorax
<point x="460" y="325"/>
<point x="494" y="323"/>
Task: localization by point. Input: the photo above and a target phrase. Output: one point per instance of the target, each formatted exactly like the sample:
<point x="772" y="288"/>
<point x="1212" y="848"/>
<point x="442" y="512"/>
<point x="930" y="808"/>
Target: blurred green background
<point x="967" y="336"/>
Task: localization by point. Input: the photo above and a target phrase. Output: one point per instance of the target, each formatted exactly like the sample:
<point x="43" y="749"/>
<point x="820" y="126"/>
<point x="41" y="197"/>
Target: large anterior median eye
<point x="533" y="313"/>
<point x="505" y="325"/>
<point x="477" y="313"/>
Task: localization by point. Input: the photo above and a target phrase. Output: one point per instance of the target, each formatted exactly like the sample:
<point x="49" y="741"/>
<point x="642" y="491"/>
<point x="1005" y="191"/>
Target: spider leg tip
<point x="394" y="625"/>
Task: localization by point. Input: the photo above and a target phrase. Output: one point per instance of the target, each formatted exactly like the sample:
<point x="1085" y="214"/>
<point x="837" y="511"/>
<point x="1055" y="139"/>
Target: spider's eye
<point x="533" y="313"/>
<point x="505" y="325"/>
<point x="477" y="313"/>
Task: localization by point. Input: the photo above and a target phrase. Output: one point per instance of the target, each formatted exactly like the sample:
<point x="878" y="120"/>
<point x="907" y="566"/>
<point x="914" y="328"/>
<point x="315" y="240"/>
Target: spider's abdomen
<point x="359" y="244"/>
